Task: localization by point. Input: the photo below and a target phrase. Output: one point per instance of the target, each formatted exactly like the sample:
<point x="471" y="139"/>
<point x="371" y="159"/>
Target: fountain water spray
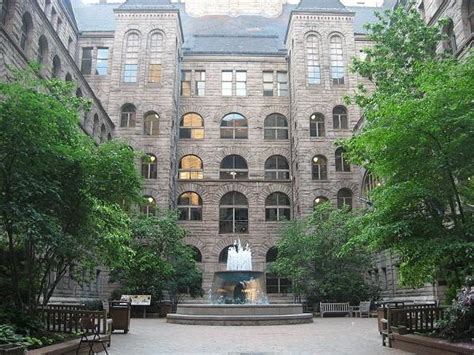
<point x="239" y="258"/>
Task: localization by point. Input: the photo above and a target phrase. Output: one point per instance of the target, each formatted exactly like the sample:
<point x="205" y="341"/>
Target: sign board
<point x="138" y="300"/>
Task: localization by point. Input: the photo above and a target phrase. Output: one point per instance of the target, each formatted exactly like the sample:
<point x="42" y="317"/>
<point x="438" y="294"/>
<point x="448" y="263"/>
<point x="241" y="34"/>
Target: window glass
<point x="190" y="168"/>
<point x="191" y="126"/>
<point x="241" y="83"/>
<point x="337" y="60"/>
<point x="102" y="61"/>
<point x="200" y="78"/>
<point x="227" y="83"/>
<point x="312" y="60"/>
<point x="86" y="63"/>
<point x="234" y="126"/>
<point x="267" y="83"/>
<point x="132" y="47"/>
<point x="156" y="53"/>
<point x="319" y="168"/>
<point x="185" y="82"/>
<point x="282" y="83"/>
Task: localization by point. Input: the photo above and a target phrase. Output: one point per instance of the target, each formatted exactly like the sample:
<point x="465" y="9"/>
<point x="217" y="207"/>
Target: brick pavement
<point x="324" y="336"/>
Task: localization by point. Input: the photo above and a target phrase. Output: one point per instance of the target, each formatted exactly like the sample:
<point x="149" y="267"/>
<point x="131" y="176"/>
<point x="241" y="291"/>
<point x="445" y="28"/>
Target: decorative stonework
<point x="266" y="8"/>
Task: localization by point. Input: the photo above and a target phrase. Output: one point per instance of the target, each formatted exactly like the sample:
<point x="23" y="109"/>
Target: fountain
<point x="238" y="297"/>
<point x="239" y="284"/>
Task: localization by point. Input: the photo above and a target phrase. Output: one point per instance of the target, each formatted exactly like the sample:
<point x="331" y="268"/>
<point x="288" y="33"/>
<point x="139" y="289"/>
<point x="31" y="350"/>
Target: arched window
<point x="148" y="206"/>
<point x="277" y="168"/>
<point x="25" y="31"/>
<point x="234" y="126"/>
<point x="450" y="42"/>
<point x="341" y="164"/>
<point x="271" y="255"/>
<point x="337" y="60"/>
<point x="191" y="126"/>
<point x="316" y="125"/>
<point x="312" y="60"/>
<point x="132" y="49"/>
<point x="156" y="53"/>
<point x="68" y="77"/>
<point x="128" y="116"/>
<point x="56" y="67"/>
<point x="224" y="254"/>
<point x="109" y="137"/>
<point x="197" y="256"/>
<point x="319" y="201"/>
<point x="274" y="283"/>
<point x="42" y="50"/>
<point x="150" y="124"/>
<point x="4" y="11"/>
<point x="95" y="125"/>
<point x="369" y="183"/>
<point x="103" y="133"/>
<point x="149" y="166"/>
<point x="319" y="168"/>
<point x="277" y="207"/>
<point x="344" y="197"/>
<point x="234" y="167"/>
<point x="276" y="127"/>
<point x="233" y="213"/>
<point x="190" y="168"/>
<point x="339" y="118"/>
<point x="190" y="207"/>
<point x="79" y="92"/>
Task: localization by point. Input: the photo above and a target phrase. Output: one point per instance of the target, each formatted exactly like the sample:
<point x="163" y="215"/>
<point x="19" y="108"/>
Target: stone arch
<point x="198" y="151"/>
<point x="238" y="187"/>
<point x="198" y="243"/>
<point x="269" y="152"/>
<point x="191" y="187"/>
<point x="149" y="149"/>
<point x="200" y="110"/>
<point x="353" y="186"/>
<point x="337" y="33"/>
<point x="149" y="191"/>
<point x="266" y="111"/>
<point x="132" y="143"/>
<point x="251" y="159"/>
<point x="234" y="109"/>
<point x="264" y="193"/>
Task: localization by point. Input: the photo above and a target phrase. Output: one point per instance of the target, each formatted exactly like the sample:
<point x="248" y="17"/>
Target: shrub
<point x="459" y="321"/>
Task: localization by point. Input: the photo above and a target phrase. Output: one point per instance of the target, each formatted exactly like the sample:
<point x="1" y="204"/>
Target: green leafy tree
<point x="160" y="262"/>
<point x="60" y="196"/>
<point x="309" y="254"/>
<point x="417" y="138"/>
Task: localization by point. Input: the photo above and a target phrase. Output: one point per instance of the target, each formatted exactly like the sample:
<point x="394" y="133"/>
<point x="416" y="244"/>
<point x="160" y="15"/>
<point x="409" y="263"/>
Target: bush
<point x="8" y="335"/>
<point x="459" y="322"/>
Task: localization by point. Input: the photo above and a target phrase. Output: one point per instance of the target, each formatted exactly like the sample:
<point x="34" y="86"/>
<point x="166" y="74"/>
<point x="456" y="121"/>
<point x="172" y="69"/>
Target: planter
<point x="423" y="345"/>
<point x="66" y="348"/>
<point x="11" y="349"/>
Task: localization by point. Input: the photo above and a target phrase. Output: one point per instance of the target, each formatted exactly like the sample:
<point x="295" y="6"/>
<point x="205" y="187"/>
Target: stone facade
<point x="274" y="41"/>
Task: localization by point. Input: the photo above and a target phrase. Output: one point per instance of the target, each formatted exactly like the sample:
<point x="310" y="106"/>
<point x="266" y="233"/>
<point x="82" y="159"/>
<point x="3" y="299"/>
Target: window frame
<point x="234" y="128"/>
<point x="102" y="69"/>
<point x="277" y="212"/>
<point x="194" y="173"/>
<point x="186" y="211"/>
<point x="313" y="60"/>
<point x="319" y="171"/>
<point x="234" y="208"/>
<point x="317" y="125"/>
<point x="342" y="166"/>
<point x="130" y="116"/>
<point x="226" y="83"/>
<point x="86" y="61"/>
<point x="266" y="83"/>
<point x="234" y="172"/>
<point x="341" y="200"/>
<point x="277" y="171"/>
<point x="151" y="124"/>
<point x="131" y="57"/>
<point x="186" y="83"/>
<point x="336" y="60"/>
<point x="193" y="130"/>
<point x="340" y="120"/>
<point x="275" y="129"/>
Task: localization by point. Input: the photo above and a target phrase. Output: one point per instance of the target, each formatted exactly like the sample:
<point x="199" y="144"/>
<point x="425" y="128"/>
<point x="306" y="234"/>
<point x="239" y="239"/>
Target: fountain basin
<point x="240" y="314"/>
<point x="238" y="287"/>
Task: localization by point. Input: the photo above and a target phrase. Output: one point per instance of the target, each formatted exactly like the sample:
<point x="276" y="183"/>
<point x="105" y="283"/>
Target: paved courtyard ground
<point x="324" y="336"/>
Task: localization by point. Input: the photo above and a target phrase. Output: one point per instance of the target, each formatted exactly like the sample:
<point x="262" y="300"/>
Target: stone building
<point x="237" y="104"/>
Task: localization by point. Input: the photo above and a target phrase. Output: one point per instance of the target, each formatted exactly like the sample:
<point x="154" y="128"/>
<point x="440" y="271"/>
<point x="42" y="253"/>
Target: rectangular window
<point x="58" y="26"/>
<point x="227" y="83"/>
<point x="200" y="77"/>
<point x="282" y="77"/>
<point x="267" y="83"/>
<point x="86" y="63"/>
<point x="130" y="73"/>
<point x="185" y="82"/>
<point x="241" y="83"/>
<point x="102" y="61"/>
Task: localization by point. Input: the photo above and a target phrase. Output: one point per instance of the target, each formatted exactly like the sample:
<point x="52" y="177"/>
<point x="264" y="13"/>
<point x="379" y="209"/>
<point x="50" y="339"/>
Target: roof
<point x="255" y="35"/>
<point x="146" y="5"/>
<point x="94" y="17"/>
<point x="312" y="5"/>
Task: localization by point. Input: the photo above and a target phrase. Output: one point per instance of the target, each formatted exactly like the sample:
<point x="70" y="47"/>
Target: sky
<point x="345" y="2"/>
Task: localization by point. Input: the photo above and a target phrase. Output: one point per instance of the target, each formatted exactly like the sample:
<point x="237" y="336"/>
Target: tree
<point x="309" y="253"/>
<point x="160" y="262"/>
<point x="417" y="138"/>
<point x="60" y="196"/>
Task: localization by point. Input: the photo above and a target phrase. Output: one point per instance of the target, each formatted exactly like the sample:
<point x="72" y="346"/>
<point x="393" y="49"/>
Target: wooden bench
<point x="335" y="308"/>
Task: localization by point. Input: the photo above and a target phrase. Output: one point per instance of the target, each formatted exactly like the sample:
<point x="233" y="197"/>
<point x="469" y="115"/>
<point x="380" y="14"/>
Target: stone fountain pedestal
<point x="240" y="314"/>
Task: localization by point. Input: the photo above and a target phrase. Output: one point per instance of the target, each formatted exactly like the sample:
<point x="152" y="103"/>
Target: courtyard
<point x="324" y="336"/>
